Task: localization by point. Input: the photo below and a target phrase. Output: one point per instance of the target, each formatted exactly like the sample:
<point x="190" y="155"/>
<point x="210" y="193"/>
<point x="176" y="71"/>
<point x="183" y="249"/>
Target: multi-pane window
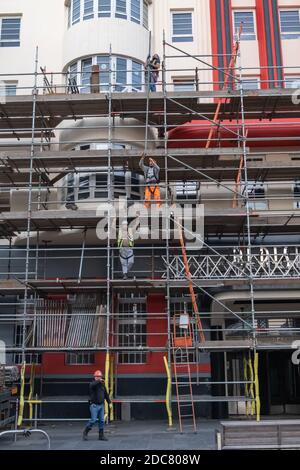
<point x="88" y="11"/>
<point x="184" y="85"/>
<point x="297" y="195"/>
<point x="292" y="82"/>
<point x="256" y="196"/>
<point x="187" y="189"/>
<point x="145" y="14"/>
<point x="103" y="63"/>
<point x="132" y="330"/>
<point x="10" y="89"/>
<point x="10" y="32"/>
<point x="76" y="11"/>
<point x="86" y="70"/>
<point x="247" y="18"/>
<point x="121" y="9"/>
<point x="290" y="24"/>
<point x="249" y="84"/>
<point x="126" y="74"/>
<point x="77" y="359"/>
<point x="182" y="27"/>
<point x="104" y="8"/>
<point x="136" y="76"/>
<point x="121" y="74"/>
<point x="132" y="10"/>
<point x="136" y="11"/>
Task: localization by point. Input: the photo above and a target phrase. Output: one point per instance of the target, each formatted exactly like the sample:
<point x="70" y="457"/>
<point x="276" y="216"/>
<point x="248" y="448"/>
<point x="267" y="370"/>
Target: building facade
<point x="81" y="66"/>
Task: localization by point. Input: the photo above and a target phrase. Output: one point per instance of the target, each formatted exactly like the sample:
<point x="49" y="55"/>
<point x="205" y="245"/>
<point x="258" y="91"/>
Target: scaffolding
<point x="87" y="312"/>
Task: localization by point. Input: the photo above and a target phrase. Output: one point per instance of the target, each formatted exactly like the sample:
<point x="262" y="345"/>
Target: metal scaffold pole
<point x="109" y="228"/>
<point x="167" y="205"/>
<point x="29" y="203"/>
<point x="248" y="228"/>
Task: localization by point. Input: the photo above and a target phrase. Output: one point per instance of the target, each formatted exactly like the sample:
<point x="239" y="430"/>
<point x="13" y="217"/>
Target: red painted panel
<point x="256" y="129"/>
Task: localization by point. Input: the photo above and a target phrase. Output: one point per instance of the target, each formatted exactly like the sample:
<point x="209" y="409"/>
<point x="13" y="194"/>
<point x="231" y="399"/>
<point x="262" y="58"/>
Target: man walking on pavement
<point x="98" y="394"/>
<point x="125" y="244"/>
<point x="151" y="174"/>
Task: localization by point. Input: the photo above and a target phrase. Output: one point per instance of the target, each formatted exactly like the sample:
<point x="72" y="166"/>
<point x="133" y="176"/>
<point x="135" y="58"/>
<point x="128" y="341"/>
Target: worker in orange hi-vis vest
<point x="152" y="189"/>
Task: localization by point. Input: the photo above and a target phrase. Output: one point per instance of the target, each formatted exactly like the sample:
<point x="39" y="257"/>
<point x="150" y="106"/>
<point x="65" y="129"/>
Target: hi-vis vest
<point x="121" y="240"/>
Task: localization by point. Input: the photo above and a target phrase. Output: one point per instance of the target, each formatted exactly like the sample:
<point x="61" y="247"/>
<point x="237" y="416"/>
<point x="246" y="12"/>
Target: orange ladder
<point x="191" y="287"/>
<point x="182" y="377"/>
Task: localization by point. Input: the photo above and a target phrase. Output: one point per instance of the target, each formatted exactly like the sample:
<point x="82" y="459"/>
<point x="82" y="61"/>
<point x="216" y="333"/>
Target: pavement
<point x="133" y="435"/>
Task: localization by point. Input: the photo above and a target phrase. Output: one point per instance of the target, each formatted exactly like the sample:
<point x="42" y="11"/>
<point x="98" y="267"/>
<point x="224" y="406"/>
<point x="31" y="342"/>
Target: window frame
<point x="182" y="37"/>
<point x="245" y="36"/>
<point x="129" y="86"/>
<point x="295" y="79"/>
<point x="285" y="36"/>
<point x="10" y="42"/>
<point x="118" y="9"/>
<point x="104" y="13"/>
<point x="184" y="82"/>
<point x="249" y="79"/>
<point x="77" y="19"/>
<point x="88" y="15"/>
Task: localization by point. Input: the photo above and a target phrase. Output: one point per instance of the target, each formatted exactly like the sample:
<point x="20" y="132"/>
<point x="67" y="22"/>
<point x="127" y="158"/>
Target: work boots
<point x="101" y="436"/>
<point x="85" y="433"/>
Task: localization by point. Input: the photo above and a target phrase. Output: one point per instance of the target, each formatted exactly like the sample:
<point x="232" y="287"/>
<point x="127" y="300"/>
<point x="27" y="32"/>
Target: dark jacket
<point x="98" y="393"/>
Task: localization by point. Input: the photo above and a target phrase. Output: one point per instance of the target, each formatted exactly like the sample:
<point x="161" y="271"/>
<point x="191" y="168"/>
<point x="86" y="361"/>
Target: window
<point x="184" y="85"/>
<point x="292" y="82"/>
<point x="103" y="62"/>
<point x="121" y="9"/>
<point x="88" y="11"/>
<point x="10" y="89"/>
<point x="187" y="190"/>
<point x="256" y="194"/>
<point x="145" y="14"/>
<point x="247" y="18"/>
<point x="182" y="27"/>
<point x="297" y="195"/>
<point x="76" y="359"/>
<point x="10" y="32"/>
<point x="249" y="84"/>
<point x="104" y="7"/>
<point x="86" y="70"/>
<point x="127" y="74"/>
<point x="121" y="74"/>
<point x="132" y="10"/>
<point x="76" y="12"/>
<point x="136" y="76"/>
<point x="132" y="330"/>
<point x="290" y="24"/>
<point x="136" y="11"/>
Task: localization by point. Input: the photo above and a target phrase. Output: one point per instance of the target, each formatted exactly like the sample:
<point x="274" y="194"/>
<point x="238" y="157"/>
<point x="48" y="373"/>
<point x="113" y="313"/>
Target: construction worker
<point x="125" y="244"/>
<point x="151" y="174"/>
<point x="98" y="394"/>
<point x="152" y="67"/>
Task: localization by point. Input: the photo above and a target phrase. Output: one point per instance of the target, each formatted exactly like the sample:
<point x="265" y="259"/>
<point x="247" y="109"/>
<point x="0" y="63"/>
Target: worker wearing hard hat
<point x="98" y="394"/>
<point x="151" y="174"/>
<point x="125" y="244"/>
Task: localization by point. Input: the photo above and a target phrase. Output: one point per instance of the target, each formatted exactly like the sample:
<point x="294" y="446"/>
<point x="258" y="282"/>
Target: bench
<point x="267" y="434"/>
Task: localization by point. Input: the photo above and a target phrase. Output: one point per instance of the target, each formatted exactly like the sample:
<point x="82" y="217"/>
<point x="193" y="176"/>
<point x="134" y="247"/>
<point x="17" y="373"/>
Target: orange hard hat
<point x="97" y="373"/>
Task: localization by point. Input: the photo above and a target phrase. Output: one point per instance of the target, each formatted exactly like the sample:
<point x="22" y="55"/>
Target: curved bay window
<point x="123" y="74"/>
<point x="130" y="10"/>
<point x="83" y="186"/>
